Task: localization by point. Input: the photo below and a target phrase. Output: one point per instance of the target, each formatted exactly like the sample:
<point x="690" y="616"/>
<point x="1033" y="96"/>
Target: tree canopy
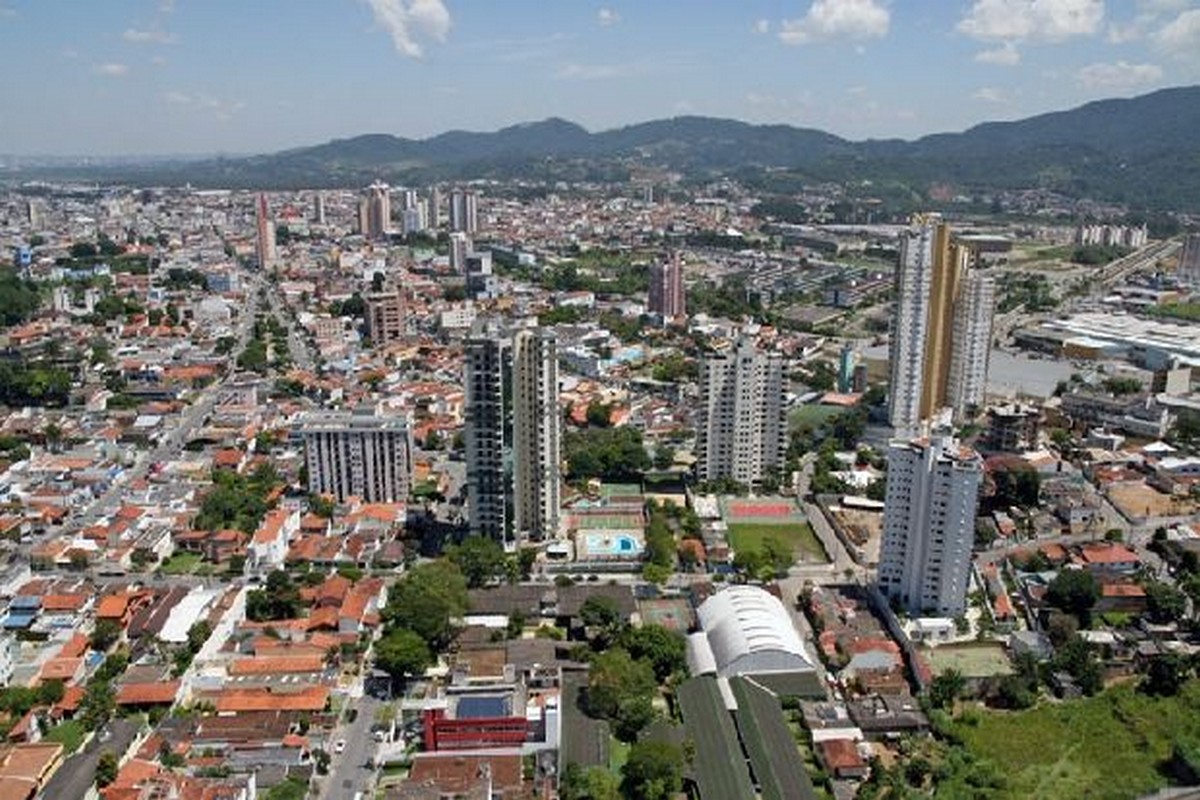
<point x="427" y="600"/>
<point x="401" y="653"/>
<point x="608" y="453"/>
<point x="480" y="560"/>
<point x="653" y="771"/>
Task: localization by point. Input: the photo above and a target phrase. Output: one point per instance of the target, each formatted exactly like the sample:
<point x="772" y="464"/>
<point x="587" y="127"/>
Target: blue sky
<point x="200" y="76"/>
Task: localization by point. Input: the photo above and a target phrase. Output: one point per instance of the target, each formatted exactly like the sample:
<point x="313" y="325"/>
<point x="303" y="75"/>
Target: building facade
<point x="929" y="525"/>
<point x="941" y="329"/>
<point x="464" y="211"/>
<point x="513" y="434"/>
<point x="265" y="238"/>
<point x="537" y="433"/>
<point x="667" y="297"/>
<point x="358" y="454"/>
<point x="1189" y="260"/>
<point x="375" y="211"/>
<point x="385" y="313"/>
<point x="742" y="427"/>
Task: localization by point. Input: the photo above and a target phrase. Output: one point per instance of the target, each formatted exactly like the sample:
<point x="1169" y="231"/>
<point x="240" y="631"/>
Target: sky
<point x="141" y="77"/>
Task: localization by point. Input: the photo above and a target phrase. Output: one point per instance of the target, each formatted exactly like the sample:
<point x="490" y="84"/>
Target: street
<point x="349" y="772"/>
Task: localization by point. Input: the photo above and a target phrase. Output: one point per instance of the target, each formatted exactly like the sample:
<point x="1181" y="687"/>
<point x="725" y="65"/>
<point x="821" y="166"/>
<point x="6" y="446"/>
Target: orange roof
<point x="1111" y="553"/>
<point x="267" y="665"/>
<point x="138" y="694"/>
<point x="60" y="669"/>
<point x="311" y="698"/>
<point x="64" y="602"/>
<point x="72" y="697"/>
<point x="112" y="606"/>
<point x="1122" y="590"/>
<point x="323" y="617"/>
<point x="74" y="647"/>
<point x="841" y="754"/>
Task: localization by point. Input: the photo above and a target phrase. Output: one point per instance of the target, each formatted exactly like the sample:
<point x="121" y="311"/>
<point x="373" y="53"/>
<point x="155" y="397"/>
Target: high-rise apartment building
<point x="929" y="525"/>
<point x="435" y="208"/>
<point x="319" y="208"/>
<point x="358" y="454"/>
<point x="971" y="344"/>
<point x="385" y="316"/>
<point x="742" y="427"/>
<point x="666" y="288"/>
<point x="537" y="424"/>
<point x="941" y="328"/>
<point x="513" y="434"/>
<point x="460" y="245"/>
<point x="265" y="239"/>
<point x="1189" y="260"/>
<point x="375" y="211"/>
<point x="464" y="211"/>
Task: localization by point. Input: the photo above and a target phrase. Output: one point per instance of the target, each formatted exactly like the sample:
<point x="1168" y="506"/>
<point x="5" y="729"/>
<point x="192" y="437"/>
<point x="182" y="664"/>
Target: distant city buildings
<point x="667" y="298"/>
<point x="929" y="525"/>
<point x="460" y="245"/>
<point x="513" y="434"/>
<point x="941" y="330"/>
<point x="1111" y="235"/>
<point x="742" y="426"/>
<point x="358" y="454"/>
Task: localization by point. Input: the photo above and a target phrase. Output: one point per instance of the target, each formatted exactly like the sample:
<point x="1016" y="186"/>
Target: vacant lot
<point x="1109" y="746"/>
<point x="750" y="535"/>
<point x="1137" y="500"/>
<point x="181" y="564"/>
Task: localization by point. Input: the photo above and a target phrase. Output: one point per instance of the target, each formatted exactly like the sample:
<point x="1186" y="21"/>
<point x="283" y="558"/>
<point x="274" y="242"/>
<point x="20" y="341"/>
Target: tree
<point x="98" y="704"/>
<point x="594" y="783"/>
<point x="105" y="635"/>
<point x="107" y="768"/>
<point x="401" y="653"/>
<point x="427" y="600"/>
<point x="946" y="688"/>
<point x="279" y="599"/>
<point x="1074" y="591"/>
<point x="1016" y="485"/>
<point x="1164" y="602"/>
<point x="480" y="559"/>
<point x="666" y="650"/>
<point x="1166" y="675"/>
<point x="616" y="679"/>
<point x="198" y="634"/>
<point x="653" y="771"/>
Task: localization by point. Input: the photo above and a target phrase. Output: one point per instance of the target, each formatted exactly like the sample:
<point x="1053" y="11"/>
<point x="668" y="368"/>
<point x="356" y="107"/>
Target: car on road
<point x="339" y="746"/>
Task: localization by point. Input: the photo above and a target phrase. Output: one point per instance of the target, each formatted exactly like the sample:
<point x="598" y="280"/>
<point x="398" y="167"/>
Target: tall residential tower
<point x="360" y="454"/>
<point x="513" y="434"/>
<point x="929" y="525"/>
<point x="742" y="426"/>
<point x="666" y="288"/>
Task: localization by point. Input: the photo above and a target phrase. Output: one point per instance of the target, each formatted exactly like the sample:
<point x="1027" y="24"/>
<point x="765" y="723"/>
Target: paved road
<point x="350" y="773"/>
<point x="75" y="777"/>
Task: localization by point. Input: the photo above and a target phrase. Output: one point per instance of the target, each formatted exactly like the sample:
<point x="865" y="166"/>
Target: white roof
<point x="743" y="621"/>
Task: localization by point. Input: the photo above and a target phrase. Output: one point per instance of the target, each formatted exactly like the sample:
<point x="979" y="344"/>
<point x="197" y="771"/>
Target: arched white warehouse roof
<point x="746" y="630"/>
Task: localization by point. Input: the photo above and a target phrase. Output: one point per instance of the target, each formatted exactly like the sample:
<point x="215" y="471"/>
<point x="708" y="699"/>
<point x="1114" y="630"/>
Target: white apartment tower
<point x="929" y="525"/>
<point x="537" y="431"/>
<point x="742" y="427"/>
<point x="358" y="454"/>
<point x="910" y="319"/>
<point x="971" y="344"/>
<point x="513" y="435"/>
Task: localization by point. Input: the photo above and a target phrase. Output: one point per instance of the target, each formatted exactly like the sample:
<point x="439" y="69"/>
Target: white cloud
<point x="222" y="110"/>
<point x="1006" y="55"/>
<point x="761" y="26"/>
<point x="1045" y="20"/>
<point x="404" y="20"/>
<point x="837" y="19"/>
<point x="598" y="72"/>
<point x="148" y="37"/>
<point x="990" y="94"/>
<point x="1119" y="75"/>
<point x="606" y="17"/>
<point x="1181" y="36"/>
<point x="112" y="70"/>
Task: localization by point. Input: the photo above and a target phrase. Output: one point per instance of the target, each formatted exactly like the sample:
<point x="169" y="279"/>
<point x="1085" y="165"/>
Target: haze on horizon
<point x="152" y="77"/>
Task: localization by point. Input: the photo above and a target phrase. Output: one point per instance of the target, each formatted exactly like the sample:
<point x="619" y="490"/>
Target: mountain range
<point x="1142" y="151"/>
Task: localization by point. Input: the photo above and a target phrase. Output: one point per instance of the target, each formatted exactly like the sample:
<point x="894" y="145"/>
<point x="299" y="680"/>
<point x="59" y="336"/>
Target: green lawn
<point x="812" y="415"/>
<point x="69" y="734"/>
<point x="750" y="535"/>
<point x="973" y="659"/>
<point x="1108" y="746"/>
<point x="181" y="564"/>
<point x="618" y="754"/>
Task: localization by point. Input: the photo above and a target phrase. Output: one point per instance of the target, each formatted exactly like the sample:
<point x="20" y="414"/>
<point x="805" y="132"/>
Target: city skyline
<point x="154" y="77"/>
